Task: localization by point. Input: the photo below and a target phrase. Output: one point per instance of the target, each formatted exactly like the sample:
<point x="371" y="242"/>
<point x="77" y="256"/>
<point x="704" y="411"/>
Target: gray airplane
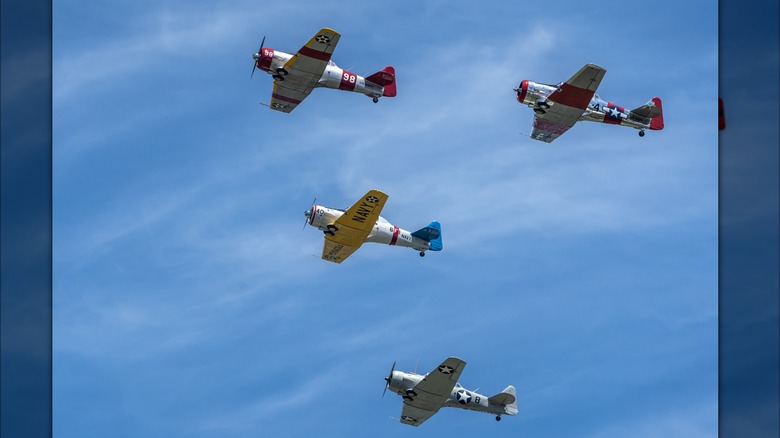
<point x="425" y="394"/>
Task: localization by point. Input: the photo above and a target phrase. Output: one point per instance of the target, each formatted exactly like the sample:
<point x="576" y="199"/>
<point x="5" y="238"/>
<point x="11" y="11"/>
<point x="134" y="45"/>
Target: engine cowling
<point x="522" y="91"/>
<point x="265" y="59"/>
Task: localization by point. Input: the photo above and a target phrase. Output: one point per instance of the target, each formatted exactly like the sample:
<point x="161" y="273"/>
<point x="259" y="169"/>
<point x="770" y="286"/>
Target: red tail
<point x="657" y="122"/>
<point x="386" y="79"/>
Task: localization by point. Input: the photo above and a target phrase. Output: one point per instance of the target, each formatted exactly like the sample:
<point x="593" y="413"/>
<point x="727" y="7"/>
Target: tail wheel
<point x="422" y="253"/>
<point x="498" y="418"/>
<point x="376" y="99"/>
<point x="641" y="133"/>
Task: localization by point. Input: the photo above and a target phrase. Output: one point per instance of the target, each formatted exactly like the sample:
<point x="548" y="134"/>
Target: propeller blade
<point x="259" y="52"/>
<point x="308" y="213"/>
<point x="388" y="379"/>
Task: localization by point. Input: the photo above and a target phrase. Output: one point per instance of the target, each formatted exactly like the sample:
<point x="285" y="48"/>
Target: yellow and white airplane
<point x="346" y="230"/>
<point x="296" y="75"/>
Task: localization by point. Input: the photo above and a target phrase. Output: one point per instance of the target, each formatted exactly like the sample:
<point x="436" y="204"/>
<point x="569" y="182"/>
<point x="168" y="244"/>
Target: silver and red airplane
<point x="296" y="75"/>
<point x="425" y="394"/>
<point x="558" y="107"/>
<point x="346" y="230"/>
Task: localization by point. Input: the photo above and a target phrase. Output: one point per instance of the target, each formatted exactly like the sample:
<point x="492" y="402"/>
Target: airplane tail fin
<point x="432" y="234"/>
<point x="657" y="122"/>
<point x="385" y="78"/>
<point x="650" y="114"/>
<point x="506" y="398"/>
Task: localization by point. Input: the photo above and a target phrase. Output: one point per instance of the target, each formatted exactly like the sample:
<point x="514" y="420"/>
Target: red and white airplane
<point x="559" y="107"/>
<point x="296" y="75"/>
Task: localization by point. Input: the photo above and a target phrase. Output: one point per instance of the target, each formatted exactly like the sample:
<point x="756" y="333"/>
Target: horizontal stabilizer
<point x="432" y="234"/>
<point x="502" y="398"/>
<point x="383" y="78"/>
<point x="647" y="111"/>
<point x="506" y="398"/>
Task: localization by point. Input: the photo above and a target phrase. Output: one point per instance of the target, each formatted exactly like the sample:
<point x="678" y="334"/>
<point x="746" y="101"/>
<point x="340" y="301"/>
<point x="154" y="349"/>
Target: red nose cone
<point x="523" y="91"/>
<point x="266" y="56"/>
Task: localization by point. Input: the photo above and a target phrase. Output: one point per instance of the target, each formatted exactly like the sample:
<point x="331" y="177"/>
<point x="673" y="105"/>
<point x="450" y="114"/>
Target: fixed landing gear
<point x="422" y="253"/>
<point x="280" y="74"/>
<point x="642" y="133"/>
<point x="498" y="418"/>
<point x="376" y="100"/>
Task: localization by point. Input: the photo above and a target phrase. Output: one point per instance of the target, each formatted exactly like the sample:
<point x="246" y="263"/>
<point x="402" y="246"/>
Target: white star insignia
<point x="463" y="396"/>
<point x="372" y="199"/>
<point x="446" y="369"/>
<point x="322" y="39"/>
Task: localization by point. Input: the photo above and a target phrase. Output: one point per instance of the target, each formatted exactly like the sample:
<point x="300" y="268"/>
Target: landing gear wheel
<point x="278" y="77"/>
<point x="422" y="253"/>
<point x="498" y="418"/>
<point x="332" y="228"/>
<point x="407" y="398"/>
<point x="539" y="111"/>
<point x="329" y="233"/>
<point x="641" y="133"/>
<point x="543" y="105"/>
<point x="282" y="72"/>
<point x="411" y="393"/>
<point x="376" y="99"/>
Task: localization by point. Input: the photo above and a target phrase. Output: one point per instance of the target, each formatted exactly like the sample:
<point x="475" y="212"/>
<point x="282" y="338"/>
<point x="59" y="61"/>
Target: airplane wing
<point x="304" y="71"/>
<point x="432" y="392"/>
<point x="567" y="104"/>
<point x="286" y="96"/>
<point x="353" y="227"/>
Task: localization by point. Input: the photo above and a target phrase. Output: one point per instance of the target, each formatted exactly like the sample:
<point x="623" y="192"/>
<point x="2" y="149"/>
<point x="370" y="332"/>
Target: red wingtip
<point x="657" y="122"/>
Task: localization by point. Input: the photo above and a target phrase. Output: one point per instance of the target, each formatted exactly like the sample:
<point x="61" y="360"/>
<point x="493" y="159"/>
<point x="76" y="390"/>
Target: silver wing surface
<point x="304" y="70"/>
<point x="567" y="104"/>
<point x="432" y="392"/>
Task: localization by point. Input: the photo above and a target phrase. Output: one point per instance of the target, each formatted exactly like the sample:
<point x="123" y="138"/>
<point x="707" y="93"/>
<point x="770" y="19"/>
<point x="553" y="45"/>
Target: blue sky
<point x="188" y="302"/>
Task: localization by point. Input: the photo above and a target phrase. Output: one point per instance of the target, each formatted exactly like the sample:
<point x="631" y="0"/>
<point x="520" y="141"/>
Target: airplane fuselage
<point x="532" y="93"/>
<point x="271" y="61"/>
<point x="384" y="232"/>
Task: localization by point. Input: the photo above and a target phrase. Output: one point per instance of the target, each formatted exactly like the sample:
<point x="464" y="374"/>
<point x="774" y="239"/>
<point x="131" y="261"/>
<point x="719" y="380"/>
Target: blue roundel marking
<point x="463" y="396"/>
<point x="614" y="112"/>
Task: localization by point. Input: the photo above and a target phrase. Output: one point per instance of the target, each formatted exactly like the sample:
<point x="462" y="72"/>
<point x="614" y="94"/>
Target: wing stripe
<point x="316" y="54"/>
<point x="285" y="98"/>
<point x="572" y="96"/>
<point x="551" y="127"/>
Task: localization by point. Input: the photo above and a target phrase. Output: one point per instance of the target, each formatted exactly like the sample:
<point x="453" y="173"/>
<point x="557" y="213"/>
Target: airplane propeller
<point x="256" y="56"/>
<point x="388" y="379"/>
<point x="308" y="213"/>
